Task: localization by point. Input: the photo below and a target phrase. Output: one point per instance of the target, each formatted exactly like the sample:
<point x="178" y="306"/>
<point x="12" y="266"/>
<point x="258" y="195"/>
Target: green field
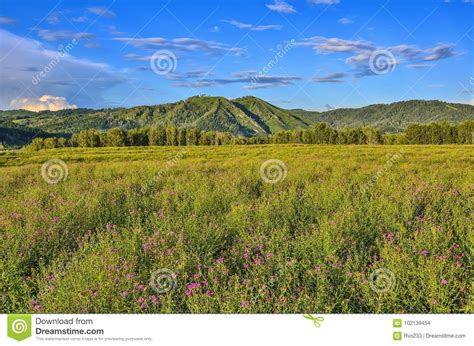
<point x="350" y="229"/>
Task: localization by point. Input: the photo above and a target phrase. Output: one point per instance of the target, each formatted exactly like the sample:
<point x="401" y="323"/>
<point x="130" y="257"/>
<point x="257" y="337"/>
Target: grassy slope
<point x="274" y="118"/>
<point x="285" y="247"/>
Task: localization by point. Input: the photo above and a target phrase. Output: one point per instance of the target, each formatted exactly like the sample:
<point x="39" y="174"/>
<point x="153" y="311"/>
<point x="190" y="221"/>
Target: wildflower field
<point x="237" y="229"/>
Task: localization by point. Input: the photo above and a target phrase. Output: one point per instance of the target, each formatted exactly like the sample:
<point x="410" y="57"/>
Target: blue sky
<point x="311" y="54"/>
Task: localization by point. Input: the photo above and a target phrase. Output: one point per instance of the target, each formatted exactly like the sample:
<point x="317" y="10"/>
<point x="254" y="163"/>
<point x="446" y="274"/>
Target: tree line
<point x="319" y="133"/>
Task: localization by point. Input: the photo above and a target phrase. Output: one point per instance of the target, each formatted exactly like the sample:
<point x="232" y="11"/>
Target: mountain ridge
<point x="245" y="116"/>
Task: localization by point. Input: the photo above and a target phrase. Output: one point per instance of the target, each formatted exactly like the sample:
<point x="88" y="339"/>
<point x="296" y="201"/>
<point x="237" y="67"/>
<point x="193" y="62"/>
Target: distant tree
<point x="181" y="136"/>
<point x="373" y="136"/>
<point x="36" y="144"/>
<point x="87" y="138"/>
<point x="156" y="136"/>
<point x="137" y="137"/>
<point x="192" y="136"/>
<point x="115" y="138"/>
<point x="171" y="136"/>
<point x="466" y="132"/>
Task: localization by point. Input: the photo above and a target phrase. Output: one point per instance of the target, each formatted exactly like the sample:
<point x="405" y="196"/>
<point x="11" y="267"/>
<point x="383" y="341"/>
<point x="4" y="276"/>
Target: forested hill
<point x="246" y="116"/>
<point x="393" y="117"/>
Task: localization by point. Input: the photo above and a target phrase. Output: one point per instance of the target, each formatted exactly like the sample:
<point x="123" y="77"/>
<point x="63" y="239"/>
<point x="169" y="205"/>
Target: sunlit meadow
<point x="232" y="242"/>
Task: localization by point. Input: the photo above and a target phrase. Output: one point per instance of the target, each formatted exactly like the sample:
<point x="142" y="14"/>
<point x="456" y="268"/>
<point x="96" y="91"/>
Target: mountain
<point x="246" y="116"/>
<point x="393" y="117"/>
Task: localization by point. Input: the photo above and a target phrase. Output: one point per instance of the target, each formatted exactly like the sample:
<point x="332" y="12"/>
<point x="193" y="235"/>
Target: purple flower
<point x="193" y="285"/>
<point x="245" y="304"/>
<point x="124" y="294"/>
<point x="208" y="293"/>
<point x="444" y="282"/>
<point x="220" y="260"/>
<point x="35" y="305"/>
<point x="424" y="252"/>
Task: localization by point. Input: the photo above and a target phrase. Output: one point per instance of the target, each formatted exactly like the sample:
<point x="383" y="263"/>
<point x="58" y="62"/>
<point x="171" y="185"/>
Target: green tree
<point x="116" y="138"/>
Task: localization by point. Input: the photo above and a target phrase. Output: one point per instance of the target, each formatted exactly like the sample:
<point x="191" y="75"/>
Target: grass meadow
<point x="333" y="229"/>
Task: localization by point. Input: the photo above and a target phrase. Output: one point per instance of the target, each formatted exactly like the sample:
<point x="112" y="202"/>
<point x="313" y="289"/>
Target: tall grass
<point x="309" y="243"/>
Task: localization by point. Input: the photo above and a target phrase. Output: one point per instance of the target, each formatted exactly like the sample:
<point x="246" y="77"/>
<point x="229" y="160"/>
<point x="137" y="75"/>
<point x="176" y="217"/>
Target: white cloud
<point x="60" y="35"/>
<point x="323" y="2"/>
<point x="281" y="7"/>
<point x="80" y="19"/>
<point x="441" y="51"/>
<point x="418" y="66"/>
<point x="250" y="78"/>
<point x="252" y="27"/>
<point x="345" y="21"/>
<point x="7" y="20"/>
<point x="181" y="44"/>
<point x="114" y="31"/>
<point x="101" y="11"/>
<point x="361" y="51"/>
<point x="29" y="70"/>
<point x="43" y="103"/>
<point x="53" y="19"/>
<point x="330" y="78"/>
